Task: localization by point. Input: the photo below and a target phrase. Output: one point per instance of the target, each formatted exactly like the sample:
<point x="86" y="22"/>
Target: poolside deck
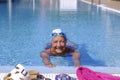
<point x="114" y="4"/>
<point x="52" y="72"/>
<point x="50" y="75"/>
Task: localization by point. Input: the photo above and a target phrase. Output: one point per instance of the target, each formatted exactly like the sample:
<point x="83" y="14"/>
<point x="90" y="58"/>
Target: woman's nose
<point x="58" y="44"/>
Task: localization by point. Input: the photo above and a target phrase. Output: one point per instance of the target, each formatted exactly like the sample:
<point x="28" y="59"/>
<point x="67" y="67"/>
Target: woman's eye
<point x="62" y="41"/>
<point x="55" y="41"/>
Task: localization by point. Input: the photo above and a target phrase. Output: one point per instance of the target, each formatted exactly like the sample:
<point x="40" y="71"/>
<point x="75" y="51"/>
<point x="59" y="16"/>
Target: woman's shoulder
<point x="69" y="50"/>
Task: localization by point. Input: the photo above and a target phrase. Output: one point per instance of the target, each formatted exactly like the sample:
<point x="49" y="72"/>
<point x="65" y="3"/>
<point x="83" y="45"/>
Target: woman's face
<point x="58" y="44"/>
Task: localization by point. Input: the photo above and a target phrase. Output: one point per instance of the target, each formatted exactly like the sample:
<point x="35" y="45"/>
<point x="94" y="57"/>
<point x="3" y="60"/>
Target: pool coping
<point x="63" y="69"/>
<point x="52" y="72"/>
<point x="42" y="69"/>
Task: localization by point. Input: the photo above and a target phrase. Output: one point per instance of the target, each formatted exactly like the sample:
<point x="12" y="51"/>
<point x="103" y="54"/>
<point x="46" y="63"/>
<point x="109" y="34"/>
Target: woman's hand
<point x="50" y="65"/>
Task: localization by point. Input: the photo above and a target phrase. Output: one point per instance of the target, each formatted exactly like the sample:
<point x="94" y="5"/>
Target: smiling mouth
<point x="58" y="50"/>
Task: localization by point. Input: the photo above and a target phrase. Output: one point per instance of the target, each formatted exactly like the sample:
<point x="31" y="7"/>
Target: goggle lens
<point x="58" y="34"/>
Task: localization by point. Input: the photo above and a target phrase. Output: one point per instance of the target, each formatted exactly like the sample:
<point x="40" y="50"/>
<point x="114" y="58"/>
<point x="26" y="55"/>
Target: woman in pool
<point x="59" y="48"/>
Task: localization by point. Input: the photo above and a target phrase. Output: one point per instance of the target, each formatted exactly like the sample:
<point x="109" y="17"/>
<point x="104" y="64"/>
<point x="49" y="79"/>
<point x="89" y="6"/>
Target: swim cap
<point x="58" y="32"/>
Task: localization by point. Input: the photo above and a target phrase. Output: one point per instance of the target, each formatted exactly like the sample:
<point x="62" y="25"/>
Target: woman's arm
<point x="76" y="58"/>
<point x="46" y="59"/>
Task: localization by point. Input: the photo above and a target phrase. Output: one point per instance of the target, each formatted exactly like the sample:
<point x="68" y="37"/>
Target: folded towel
<point x="84" y="73"/>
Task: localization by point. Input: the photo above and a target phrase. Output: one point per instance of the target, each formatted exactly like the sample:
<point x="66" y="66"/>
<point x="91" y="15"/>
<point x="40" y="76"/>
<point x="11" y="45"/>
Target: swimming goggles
<point x="58" y="34"/>
<point x="64" y="77"/>
<point x="41" y="77"/>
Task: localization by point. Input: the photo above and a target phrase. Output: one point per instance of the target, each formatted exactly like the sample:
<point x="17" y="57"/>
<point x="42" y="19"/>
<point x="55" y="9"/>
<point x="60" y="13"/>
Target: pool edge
<point x="63" y="69"/>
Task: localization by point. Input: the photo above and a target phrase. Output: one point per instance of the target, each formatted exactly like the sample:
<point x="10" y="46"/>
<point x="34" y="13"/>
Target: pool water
<point x="26" y="25"/>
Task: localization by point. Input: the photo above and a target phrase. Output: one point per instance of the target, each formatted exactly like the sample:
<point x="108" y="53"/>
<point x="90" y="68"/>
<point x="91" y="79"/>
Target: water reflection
<point x="62" y="5"/>
<point x="54" y="4"/>
<point x="33" y="6"/>
<point x="10" y="11"/>
<point x="4" y="1"/>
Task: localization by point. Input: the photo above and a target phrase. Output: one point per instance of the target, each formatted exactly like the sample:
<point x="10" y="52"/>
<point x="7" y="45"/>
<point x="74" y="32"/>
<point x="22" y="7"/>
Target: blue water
<point x="25" y="28"/>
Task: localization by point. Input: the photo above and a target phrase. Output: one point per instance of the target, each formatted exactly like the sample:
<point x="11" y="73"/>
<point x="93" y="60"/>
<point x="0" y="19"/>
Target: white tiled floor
<point x="52" y="72"/>
<point x="46" y="75"/>
<point x="50" y="75"/>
